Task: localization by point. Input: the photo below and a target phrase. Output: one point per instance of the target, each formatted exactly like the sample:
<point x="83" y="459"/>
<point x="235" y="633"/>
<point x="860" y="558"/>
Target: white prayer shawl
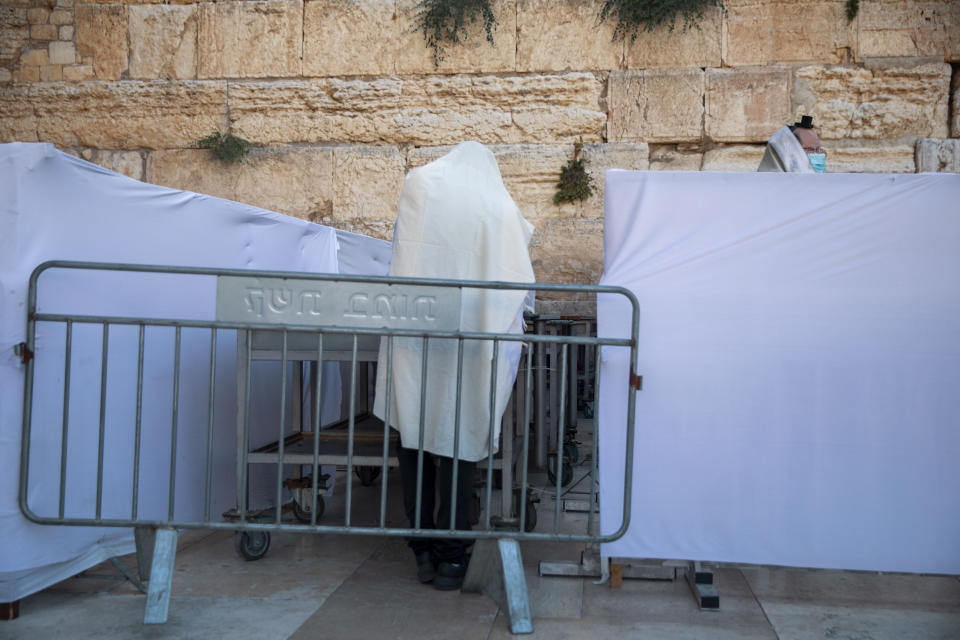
<point x="456" y="220"/>
<point x="785" y="154"/>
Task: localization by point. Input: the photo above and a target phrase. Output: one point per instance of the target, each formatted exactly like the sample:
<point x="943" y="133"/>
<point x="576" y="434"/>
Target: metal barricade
<point x="163" y="458"/>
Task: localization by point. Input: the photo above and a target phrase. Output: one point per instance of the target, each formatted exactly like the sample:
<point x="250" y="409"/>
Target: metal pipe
<point x="560" y="424"/>
<point x="211" y="394"/>
<point x="351" y="419"/>
<point x="456" y="439"/>
<point x="595" y="463"/>
<point x="138" y="424"/>
<point x="173" y="428"/>
<point x="245" y="441"/>
<point x="493" y="421"/>
<point x="423" y="412"/>
<point x="278" y="505"/>
<point x="386" y="435"/>
<point x="103" y="415"/>
<point x="317" y="407"/>
<point x="526" y="439"/>
<point x="540" y="414"/>
<point x="66" y="415"/>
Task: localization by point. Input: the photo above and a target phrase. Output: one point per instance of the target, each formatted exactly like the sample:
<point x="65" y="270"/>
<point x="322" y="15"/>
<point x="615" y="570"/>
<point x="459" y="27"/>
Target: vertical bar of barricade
<point x="562" y="405"/>
<point x="528" y="390"/>
<point x="423" y="414"/>
<point x="317" y="408"/>
<point x="456" y="438"/>
<point x="66" y="416"/>
<point x="351" y="420"/>
<point x="386" y="434"/>
<point x="278" y="505"/>
<point x="105" y="348"/>
<point x="574" y="359"/>
<point x="245" y="439"/>
<point x="540" y="415"/>
<point x="173" y="430"/>
<point x="493" y="422"/>
<point x="138" y="423"/>
<point x="211" y="394"/>
<point x="595" y="463"/>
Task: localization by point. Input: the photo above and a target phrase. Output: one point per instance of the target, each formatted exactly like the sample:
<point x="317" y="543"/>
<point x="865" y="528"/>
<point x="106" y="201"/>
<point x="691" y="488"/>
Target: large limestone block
<point x="913" y="29"/>
<point x="366" y="183"/>
<point x="350" y="37"/>
<point x="697" y="45"/>
<point x="420" y="110"/>
<point x="873" y="158"/>
<point x="875" y="102"/>
<point x="567" y="251"/>
<point x="295" y="181"/>
<point x="941" y="156"/>
<point x="250" y="39"/>
<point x="163" y="42"/>
<point x="14" y="34"/>
<point x="632" y="156"/>
<point x="761" y="33"/>
<point x="747" y="104"/>
<point x="101" y="32"/>
<point x="554" y="35"/>
<point x="675" y="157"/>
<point x="736" y="157"/>
<point x="129" y="163"/>
<point x="18" y="119"/>
<point x="114" y="115"/>
<point x="657" y="105"/>
<point x="474" y="54"/>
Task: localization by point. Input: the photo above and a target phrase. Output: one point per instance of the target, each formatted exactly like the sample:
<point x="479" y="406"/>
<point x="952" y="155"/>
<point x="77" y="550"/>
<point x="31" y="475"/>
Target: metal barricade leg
<point x="161" y="577"/>
<point x="496" y="568"/>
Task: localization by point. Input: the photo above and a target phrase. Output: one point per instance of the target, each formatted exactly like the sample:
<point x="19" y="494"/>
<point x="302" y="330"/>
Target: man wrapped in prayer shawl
<point x="455" y="220"/>
<point x="795" y="149"/>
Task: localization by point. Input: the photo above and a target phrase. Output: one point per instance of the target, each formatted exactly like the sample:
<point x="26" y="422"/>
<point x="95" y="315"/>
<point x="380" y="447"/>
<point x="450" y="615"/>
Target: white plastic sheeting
<point x="57" y="207"/>
<point x="800" y="352"/>
<point x="456" y="220"/>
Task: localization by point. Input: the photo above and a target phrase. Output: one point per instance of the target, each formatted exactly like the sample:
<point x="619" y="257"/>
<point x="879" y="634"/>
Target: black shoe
<point x="450" y="575"/>
<point x="425" y="567"/>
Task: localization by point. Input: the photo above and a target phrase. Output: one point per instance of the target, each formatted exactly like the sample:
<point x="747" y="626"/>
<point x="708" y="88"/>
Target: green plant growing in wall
<point x="444" y="22"/>
<point x="575" y="183"/>
<point x="228" y="147"/>
<point x="633" y="16"/>
<point x="853" y="8"/>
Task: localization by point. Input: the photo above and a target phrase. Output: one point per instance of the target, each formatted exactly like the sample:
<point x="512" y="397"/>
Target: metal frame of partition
<point x="329" y="328"/>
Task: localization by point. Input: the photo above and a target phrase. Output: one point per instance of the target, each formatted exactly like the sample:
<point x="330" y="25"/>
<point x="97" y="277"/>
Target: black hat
<point x="806" y="122"/>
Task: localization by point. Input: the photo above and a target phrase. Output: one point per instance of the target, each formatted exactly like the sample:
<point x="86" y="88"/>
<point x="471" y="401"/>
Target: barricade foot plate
<point x="496" y="568"/>
<point x="161" y="577"/>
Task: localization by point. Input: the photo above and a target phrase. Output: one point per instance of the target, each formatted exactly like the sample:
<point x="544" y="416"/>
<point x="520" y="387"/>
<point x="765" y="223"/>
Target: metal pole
<point x="540" y="413"/>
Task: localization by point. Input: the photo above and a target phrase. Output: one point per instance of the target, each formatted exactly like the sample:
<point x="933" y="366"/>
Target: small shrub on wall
<point x="633" y="16"/>
<point x="444" y="22"/>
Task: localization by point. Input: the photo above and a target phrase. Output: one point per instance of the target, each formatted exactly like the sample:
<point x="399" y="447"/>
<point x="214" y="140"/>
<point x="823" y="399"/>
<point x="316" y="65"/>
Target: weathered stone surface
<point x="51" y="73"/>
<point x="366" y="184"/>
<point x="129" y="163"/>
<point x="76" y="72"/>
<point x="941" y="156"/>
<point x="567" y="251"/>
<point x="659" y="105"/>
<point x="695" y="46"/>
<point x="554" y="35"/>
<point x="474" y="54"/>
<point x="5" y="75"/>
<point x="874" y="102"/>
<point x="102" y="34"/>
<point x="28" y="73"/>
<point x="38" y="15"/>
<point x="14" y="33"/>
<point x="633" y="156"/>
<point x="910" y="29"/>
<point x="163" y="42"/>
<point x="35" y="57"/>
<point x="66" y="32"/>
<point x="106" y="115"/>
<point x="43" y="32"/>
<point x="62" y="52"/>
<point x="250" y="39"/>
<point x="350" y="37"/>
<point x="420" y="110"/>
<point x="675" y="158"/>
<point x="746" y="104"/>
<point x="738" y="157"/>
<point x="876" y="158"/>
<point x="759" y="33"/>
<point x="530" y="173"/>
<point x="296" y="181"/>
<point x="61" y="17"/>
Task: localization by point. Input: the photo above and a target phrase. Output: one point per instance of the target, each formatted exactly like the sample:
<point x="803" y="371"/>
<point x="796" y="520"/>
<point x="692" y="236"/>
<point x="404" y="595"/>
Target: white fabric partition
<point x="57" y="207"/>
<point x="800" y="352"/>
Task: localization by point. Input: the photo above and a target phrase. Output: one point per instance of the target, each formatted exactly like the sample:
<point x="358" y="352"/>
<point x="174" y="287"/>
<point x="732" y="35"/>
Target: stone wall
<point x="343" y="97"/>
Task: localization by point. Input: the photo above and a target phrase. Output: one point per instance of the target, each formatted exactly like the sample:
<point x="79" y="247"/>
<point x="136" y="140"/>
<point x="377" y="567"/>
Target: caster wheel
<point x="302" y="513"/>
<point x="368" y="475"/>
<point x="572" y="452"/>
<point x="252" y="545"/>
